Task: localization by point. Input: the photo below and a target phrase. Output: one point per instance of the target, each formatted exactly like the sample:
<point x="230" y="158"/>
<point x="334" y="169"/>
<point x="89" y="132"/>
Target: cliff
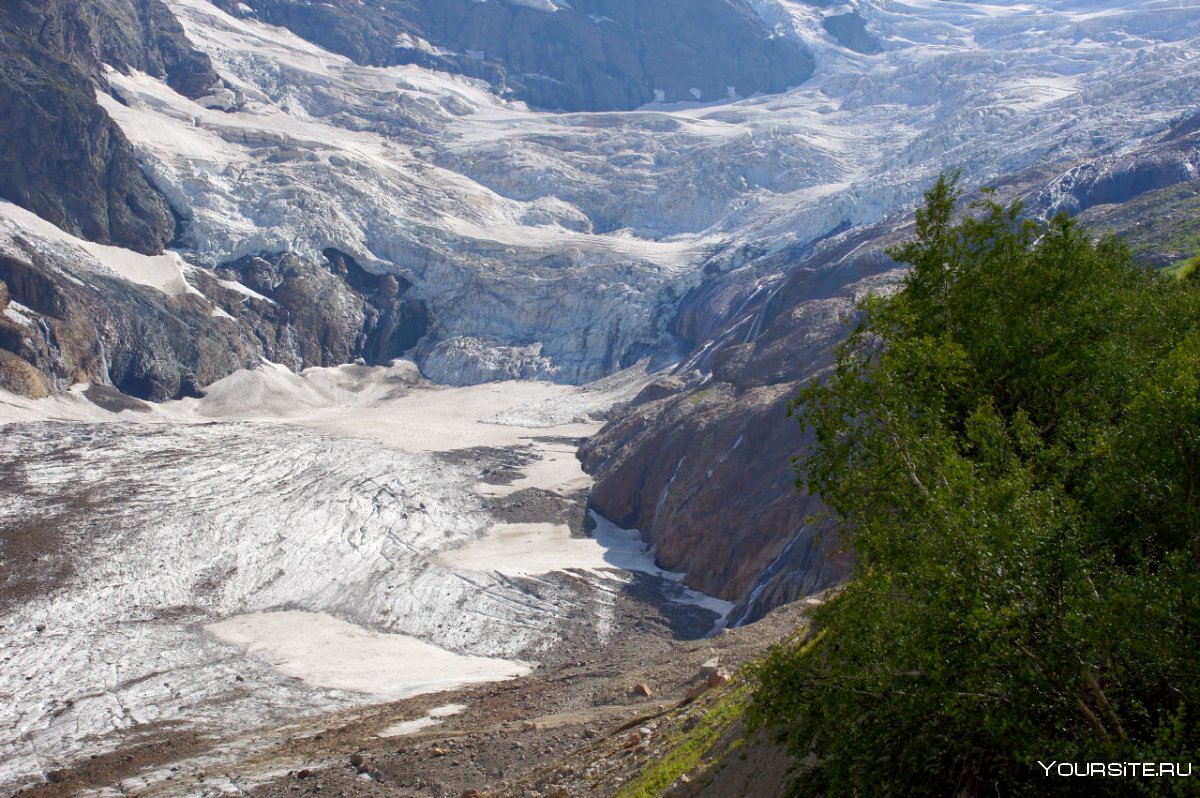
<point x="64" y="157"/>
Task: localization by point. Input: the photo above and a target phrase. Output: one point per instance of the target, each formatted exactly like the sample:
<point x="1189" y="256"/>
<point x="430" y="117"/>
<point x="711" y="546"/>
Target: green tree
<point x="1012" y="441"/>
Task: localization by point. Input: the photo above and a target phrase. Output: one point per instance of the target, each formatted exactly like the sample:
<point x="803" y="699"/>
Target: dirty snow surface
<point x="289" y="544"/>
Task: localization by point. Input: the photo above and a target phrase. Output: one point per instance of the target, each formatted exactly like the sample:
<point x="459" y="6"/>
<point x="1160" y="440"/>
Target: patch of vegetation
<point x="1188" y="269"/>
<point x="687" y="749"/>
<point x="1013" y="442"/>
<point x="1160" y="227"/>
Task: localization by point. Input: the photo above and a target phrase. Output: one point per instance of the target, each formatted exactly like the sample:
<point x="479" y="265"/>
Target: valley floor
<point x="227" y="588"/>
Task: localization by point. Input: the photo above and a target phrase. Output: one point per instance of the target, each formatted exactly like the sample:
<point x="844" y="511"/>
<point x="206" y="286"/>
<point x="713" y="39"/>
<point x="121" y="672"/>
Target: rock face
<point x="586" y="55"/>
<point x="66" y="160"/>
<point x="63" y="157"/>
<point x="310" y="314"/>
<point x="699" y="462"/>
<point x="123" y="34"/>
<point x="106" y="330"/>
<point x="64" y="321"/>
<point x="1171" y="158"/>
<point x="851" y="32"/>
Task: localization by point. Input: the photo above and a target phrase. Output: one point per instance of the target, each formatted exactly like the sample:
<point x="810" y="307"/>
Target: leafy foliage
<point x="1013" y="442"/>
<point x="689" y="750"/>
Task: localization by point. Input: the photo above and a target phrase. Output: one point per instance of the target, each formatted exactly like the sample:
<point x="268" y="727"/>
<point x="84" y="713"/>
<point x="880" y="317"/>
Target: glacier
<point x="205" y="546"/>
<point x="290" y="545"/>
<point x="556" y="245"/>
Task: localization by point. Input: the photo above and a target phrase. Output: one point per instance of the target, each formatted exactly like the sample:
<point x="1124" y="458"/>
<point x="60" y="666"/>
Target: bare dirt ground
<point x="581" y="727"/>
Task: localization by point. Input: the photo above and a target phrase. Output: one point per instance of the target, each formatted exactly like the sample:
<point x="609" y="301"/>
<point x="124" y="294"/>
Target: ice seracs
<point x="556" y="246"/>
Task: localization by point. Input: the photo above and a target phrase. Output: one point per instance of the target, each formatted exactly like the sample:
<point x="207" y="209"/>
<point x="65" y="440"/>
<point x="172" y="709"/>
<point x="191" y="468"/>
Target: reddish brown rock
<point x="704" y="471"/>
<point x="17" y="376"/>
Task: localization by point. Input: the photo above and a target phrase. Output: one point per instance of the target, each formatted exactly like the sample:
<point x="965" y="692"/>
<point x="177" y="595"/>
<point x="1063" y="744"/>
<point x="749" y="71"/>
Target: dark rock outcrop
<point x="705" y="476"/>
<point x="584" y="55"/>
<point x="106" y="330"/>
<point x="851" y="32"/>
<point x="701" y="465"/>
<point x="321" y="314"/>
<point x="61" y="156"/>
<point x="156" y="346"/>
<point x="124" y="34"/>
<point x="1166" y="160"/>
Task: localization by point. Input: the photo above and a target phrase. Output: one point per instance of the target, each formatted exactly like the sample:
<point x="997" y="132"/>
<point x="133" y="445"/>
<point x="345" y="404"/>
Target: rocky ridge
<point x="587" y="55"/>
<point x="63" y="157"/>
<point x="82" y="321"/>
<point x="698" y="460"/>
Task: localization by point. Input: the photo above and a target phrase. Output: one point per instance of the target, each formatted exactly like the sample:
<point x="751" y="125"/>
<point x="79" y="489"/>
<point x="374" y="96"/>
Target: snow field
<point x="287" y="545"/>
<point x="325" y="651"/>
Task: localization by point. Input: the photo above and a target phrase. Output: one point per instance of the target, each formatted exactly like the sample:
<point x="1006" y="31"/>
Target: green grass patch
<point x="686" y="751"/>
<point x="1177" y="268"/>
<point x="1161" y="227"/>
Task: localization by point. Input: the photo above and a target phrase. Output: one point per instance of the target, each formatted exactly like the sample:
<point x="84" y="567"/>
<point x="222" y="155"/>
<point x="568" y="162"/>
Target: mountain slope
<point x="64" y="158"/>
<point x="330" y="210"/>
<point x="587" y="55"/>
<point x="699" y="461"/>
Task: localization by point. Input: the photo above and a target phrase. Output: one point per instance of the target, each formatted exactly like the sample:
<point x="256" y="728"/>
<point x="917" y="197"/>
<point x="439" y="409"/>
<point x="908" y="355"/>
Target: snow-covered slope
<point x="286" y="545"/>
<point x="555" y="245"/>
